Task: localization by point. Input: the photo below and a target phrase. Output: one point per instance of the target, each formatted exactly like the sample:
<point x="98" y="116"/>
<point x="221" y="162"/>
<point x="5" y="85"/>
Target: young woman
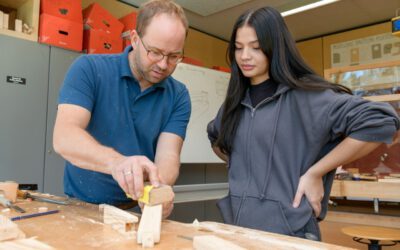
<point x="283" y="130"/>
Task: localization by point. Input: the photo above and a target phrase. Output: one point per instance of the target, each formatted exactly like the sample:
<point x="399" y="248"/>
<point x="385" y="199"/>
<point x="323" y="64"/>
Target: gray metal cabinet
<point x="23" y="104"/>
<point x="60" y="60"/>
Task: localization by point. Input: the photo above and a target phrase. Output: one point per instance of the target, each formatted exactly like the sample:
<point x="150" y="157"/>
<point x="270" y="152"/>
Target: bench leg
<point x="374" y="245"/>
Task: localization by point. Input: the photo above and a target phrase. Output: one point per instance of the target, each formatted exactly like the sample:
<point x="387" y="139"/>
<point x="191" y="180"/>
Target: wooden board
<point x="366" y="189"/>
<point x="79" y="226"/>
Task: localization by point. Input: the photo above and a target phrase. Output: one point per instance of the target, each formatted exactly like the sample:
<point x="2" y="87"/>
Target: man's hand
<point x="131" y="172"/>
<point x="167" y="208"/>
<point x="312" y="187"/>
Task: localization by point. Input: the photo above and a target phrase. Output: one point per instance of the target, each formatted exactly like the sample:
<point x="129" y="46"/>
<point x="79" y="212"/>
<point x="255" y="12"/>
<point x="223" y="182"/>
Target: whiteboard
<point x="207" y="89"/>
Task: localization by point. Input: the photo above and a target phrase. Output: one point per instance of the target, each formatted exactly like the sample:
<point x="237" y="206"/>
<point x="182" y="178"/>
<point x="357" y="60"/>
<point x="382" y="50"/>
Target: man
<point x="121" y="118"/>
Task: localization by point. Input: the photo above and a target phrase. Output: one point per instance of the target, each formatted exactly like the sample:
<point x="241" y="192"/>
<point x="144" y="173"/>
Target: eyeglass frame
<point x="161" y="54"/>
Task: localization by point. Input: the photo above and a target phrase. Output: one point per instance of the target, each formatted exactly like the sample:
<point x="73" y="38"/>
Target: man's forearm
<point x="168" y="167"/>
<point x="78" y="147"/>
<point x="345" y="152"/>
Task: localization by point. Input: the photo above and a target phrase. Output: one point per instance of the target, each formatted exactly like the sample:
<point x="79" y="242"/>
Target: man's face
<point x="157" y="51"/>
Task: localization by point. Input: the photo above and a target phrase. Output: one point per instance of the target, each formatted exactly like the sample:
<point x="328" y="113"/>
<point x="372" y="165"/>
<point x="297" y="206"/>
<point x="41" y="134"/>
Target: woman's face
<point x="250" y="58"/>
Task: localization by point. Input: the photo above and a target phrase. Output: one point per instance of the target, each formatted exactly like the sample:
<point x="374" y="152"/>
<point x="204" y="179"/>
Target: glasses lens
<point x="155" y="56"/>
<point x="175" y="58"/>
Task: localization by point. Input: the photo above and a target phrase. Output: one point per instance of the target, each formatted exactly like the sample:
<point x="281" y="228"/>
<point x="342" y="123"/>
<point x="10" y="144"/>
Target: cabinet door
<point x="60" y="60"/>
<point x="23" y="104"/>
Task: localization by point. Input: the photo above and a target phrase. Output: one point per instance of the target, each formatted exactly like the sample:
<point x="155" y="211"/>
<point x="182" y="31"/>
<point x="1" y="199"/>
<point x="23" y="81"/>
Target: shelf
<point x="378" y="82"/>
<point x="25" y="10"/>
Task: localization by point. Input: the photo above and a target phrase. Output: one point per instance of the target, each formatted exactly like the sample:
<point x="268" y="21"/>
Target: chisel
<point x="5" y="202"/>
<point x="25" y="195"/>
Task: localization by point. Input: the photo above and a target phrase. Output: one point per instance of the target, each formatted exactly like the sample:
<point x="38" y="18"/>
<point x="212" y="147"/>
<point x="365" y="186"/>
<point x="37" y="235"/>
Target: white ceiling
<point x="216" y="17"/>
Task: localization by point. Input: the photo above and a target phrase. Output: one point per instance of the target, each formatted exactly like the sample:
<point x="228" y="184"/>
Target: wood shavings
<point x="42" y="209"/>
<point x="196" y="223"/>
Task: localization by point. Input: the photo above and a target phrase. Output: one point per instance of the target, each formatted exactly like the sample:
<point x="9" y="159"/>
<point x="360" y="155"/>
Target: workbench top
<point x="79" y="226"/>
<point x="366" y="189"/>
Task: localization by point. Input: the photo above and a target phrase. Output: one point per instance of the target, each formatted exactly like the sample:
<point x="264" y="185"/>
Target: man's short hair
<point x="151" y="8"/>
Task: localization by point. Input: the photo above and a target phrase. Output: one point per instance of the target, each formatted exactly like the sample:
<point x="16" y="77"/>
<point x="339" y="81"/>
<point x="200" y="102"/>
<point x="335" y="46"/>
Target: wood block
<point x="24" y="244"/>
<point x="159" y="195"/>
<point x="368" y="177"/>
<point x="211" y="242"/>
<point x="18" y="25"/>
<point x="9" y="230"/>
<point x="119" y="219"/>
<point x="1" y="19"/>
<point x="150" y="222"/>
<point x="147" y="239"/>
<point x="5" y="21"/>
<point x="10" y="190"/>
<point x="392" y="180"/>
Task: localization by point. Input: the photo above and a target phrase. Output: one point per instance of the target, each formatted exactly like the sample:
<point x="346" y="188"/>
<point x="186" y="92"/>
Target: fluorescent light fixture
<point x="308" y="7"/>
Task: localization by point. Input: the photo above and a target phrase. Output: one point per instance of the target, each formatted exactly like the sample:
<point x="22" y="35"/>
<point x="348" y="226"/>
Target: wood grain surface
<point x="79" y="226"/>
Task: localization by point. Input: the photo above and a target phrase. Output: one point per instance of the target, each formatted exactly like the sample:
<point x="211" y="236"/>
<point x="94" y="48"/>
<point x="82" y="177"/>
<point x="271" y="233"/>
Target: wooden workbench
<point x="366" y="189"/>
<point x="79" y="226"/>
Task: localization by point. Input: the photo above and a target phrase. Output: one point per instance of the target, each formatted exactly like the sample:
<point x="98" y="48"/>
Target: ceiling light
<point x="308" y="7"/>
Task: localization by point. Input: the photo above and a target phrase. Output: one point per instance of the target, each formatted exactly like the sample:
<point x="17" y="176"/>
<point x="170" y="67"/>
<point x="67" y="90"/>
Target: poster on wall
<point x="373" y="49"/>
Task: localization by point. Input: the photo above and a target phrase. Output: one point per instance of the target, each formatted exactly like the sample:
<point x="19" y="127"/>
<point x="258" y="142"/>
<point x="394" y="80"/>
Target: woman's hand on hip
<point x="312" y="187"/>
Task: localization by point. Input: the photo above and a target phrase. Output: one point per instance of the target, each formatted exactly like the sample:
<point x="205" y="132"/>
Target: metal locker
<point x="23" y="106"/>
<point x="60" y="60"/>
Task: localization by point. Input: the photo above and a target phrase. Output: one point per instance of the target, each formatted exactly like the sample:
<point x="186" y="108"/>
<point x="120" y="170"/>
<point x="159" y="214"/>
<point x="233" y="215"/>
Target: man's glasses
<point x="156" y="56"/>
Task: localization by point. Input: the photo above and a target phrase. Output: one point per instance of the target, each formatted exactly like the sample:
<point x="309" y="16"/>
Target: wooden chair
<point x="373" y="236"/>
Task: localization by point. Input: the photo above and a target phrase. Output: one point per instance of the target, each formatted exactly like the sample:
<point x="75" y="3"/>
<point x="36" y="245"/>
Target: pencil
<point x="21" y="217"/>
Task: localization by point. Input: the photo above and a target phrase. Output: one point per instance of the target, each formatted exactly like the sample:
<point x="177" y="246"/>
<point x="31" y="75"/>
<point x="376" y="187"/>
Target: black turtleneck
<point x="262" y="91"/>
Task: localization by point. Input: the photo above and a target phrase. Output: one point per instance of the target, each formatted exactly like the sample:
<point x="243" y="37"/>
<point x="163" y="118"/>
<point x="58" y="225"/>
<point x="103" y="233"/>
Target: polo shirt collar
<point x="126" y="69"/>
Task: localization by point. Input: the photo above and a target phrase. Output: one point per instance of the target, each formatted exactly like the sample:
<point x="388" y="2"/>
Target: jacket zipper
<point x="244" y="195"/>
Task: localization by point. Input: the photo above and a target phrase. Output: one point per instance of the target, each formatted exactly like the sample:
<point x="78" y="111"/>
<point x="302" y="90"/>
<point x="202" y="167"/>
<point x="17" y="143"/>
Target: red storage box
<point x="68" y="9"/>
<point x="96" y="17"/>
<point x="60" y="32"/>
<point x="192" y="61"/>
<point x="129" y="22"/>
<point x="220" y="68"/>
<point x="101" y="42"/>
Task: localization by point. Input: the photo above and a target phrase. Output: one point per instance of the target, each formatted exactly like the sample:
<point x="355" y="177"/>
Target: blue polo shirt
<point x="122" y="117"/>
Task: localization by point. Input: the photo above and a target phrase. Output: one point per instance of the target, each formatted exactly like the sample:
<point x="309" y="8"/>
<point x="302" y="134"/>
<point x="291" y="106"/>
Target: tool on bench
<point x="25" y="195"/>
<point x="21" y="217"/>
<point x="7" y="203"/>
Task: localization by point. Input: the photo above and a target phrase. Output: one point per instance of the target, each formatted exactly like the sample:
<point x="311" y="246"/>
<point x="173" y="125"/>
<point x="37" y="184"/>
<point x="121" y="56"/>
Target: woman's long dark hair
<point x="286" y="66"/>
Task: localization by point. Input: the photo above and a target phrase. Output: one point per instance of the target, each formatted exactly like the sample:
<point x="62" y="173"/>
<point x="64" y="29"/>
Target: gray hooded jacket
<point x="279" y="140"/>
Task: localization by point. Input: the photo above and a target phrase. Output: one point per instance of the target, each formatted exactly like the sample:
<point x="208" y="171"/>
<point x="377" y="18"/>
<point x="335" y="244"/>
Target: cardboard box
<point x="60" y="32"/>
<point x="101" y="42"/>
<point x="97" y="18"/>
<point x="129" y="22"/>
<point x="68" y="9"/>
